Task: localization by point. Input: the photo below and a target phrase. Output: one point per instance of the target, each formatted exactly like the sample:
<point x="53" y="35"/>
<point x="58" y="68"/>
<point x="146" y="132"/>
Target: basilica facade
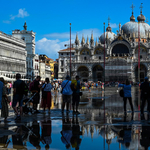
<point x="114" y="57"/>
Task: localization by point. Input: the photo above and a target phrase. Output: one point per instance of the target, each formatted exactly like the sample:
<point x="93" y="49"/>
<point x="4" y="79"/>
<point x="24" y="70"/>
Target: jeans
<point x="130" y="102"/>
<point x="144" y="99"/>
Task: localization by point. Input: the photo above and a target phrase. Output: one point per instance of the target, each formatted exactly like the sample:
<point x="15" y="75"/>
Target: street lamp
<point x="70" y="49"/>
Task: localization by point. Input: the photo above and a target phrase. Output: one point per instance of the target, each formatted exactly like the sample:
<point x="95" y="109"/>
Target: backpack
<point x="26" y="89"/>
<point x="31" y="86"/>
<point x="121" y="93"/>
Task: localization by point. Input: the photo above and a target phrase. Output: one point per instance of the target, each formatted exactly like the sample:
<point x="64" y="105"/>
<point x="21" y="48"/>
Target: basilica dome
<point x="132" y="27"/>
<point x="110" y="35"/>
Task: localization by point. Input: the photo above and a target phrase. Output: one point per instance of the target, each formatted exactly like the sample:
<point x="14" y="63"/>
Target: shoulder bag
<point x="121" y="92"/>
<point x="64" y="87"/>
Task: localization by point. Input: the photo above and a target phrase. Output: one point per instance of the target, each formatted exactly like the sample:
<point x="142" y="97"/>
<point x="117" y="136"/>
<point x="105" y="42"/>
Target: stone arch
<point x="120" y="49"/>
<point x="143" y="72"/>
<point x="123" y="43"/>
<point x="83" y="72"/>
<point x="85" y="51"/>
<point x="97" y="72"/>
<point x="98" y="51"/>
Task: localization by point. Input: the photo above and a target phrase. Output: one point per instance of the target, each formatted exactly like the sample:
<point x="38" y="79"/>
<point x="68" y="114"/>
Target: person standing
<point x="76" y="96"/>
<point x="18" y="90"/>
<point x="1" y="93"/>
<point x="145" y="96"/>
<point x="36" y="89"/>
<point x="66" y="93"/>
<point x="47" y="98"/>
<point x="127" y="94"/>
<point x="5" y="101"/>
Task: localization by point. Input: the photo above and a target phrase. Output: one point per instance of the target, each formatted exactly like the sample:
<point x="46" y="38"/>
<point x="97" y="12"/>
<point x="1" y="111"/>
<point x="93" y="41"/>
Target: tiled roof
<point x="49" y="59"/>
<point x="68" y="49"/>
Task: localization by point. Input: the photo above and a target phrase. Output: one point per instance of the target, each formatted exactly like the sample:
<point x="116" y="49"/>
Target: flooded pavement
<point x="101" y="124"/>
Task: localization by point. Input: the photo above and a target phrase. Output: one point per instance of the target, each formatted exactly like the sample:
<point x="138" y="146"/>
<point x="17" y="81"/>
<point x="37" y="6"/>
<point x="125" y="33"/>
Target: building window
<point x="62" y="63"/>
<point x="62" y="70"/>
<point x="61" y="53"/>
<point x="67" y="53"/>
<point x="23" y="38"/>
<point x="72" y="53"/>
<point x="99" y="57"/>
<point x="84" y="58"/>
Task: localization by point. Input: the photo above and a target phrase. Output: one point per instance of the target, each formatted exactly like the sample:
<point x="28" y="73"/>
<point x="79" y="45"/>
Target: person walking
<point x="5" y="101"/>
<point x="127" y="94"/>
<point x="46" y="97"/>
<point x="66" y="93"/>
<point x="145" y="96"/>
<point x="76" y="95"/>
<point x="18" y="90"/>
<point x="36" y="89"/>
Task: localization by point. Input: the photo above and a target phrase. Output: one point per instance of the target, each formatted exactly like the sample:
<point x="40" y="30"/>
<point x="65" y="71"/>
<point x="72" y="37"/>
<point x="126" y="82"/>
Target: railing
<point x="11" y="37"/>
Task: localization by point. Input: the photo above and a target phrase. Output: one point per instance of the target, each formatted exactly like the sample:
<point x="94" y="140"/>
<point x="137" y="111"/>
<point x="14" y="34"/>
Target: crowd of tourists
<point x="70" y="93"/>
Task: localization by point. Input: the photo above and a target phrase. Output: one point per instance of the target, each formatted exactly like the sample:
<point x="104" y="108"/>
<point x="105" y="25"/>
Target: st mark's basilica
<point x="121" y="53"/>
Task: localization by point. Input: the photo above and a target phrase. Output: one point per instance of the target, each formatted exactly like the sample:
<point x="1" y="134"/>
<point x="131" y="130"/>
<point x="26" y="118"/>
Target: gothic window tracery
<point x="98" y="51"/>
<point x="85" y="52"/>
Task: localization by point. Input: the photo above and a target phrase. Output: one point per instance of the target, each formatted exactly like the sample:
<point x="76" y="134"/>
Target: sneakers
<point x="18" y="118"/>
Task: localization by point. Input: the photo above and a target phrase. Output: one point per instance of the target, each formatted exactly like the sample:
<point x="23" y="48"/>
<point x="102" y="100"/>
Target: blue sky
<point x="50" y="19"/>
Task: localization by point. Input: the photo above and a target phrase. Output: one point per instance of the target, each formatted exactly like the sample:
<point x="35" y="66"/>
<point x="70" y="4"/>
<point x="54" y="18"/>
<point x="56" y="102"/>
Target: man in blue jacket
<point x="145" y="96"/>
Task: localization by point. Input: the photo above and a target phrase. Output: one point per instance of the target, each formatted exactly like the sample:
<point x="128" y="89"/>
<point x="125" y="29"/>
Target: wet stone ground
<point x="101" y="124"/>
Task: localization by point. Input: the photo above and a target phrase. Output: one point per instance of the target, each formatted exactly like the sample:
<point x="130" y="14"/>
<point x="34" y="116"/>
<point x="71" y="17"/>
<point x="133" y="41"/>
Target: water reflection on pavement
<point x="95" y="128"/>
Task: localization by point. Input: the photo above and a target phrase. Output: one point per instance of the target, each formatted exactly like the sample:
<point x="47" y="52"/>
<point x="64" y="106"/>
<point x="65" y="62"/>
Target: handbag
<point x="80" y="93"/>
<point x="44" y="93"/>
<point x="64" y="87"/>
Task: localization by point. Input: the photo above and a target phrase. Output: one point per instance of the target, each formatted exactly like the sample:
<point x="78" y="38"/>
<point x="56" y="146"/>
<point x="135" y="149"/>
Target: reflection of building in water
<point x="121" y="51"/>
<point x="109" y="132"/>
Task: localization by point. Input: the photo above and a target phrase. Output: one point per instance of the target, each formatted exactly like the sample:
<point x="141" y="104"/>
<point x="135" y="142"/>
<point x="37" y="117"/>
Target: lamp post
<point x="70" y="45"/>
<point x="70" y="51"/>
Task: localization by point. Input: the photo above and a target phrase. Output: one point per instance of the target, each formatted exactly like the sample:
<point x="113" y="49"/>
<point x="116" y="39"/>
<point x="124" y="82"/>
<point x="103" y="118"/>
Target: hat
<point x="146" y="78"/>
<point x="67" y="77"/>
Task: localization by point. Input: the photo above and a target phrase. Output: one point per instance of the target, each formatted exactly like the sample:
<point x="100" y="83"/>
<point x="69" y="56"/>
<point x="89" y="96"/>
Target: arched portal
<point x="97" y="72"/>
<point x="120" y="49"/>
<point x="143" y="72"/>
<point x="83" y="73"/>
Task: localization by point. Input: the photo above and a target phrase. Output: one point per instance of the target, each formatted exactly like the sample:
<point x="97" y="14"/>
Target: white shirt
<point x="47" y="88"/>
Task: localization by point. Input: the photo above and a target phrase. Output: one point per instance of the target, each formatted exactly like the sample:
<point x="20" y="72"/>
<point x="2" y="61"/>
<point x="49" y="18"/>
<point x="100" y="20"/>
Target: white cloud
<point x="21" y="14"/>
<point x="114" y="25"/>
<point x="52" y="43"/>
<point x="6" y="21"/>
<point x="49" y="47"/>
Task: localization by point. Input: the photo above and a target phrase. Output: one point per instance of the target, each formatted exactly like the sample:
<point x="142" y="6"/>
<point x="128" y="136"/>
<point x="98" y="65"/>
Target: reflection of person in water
<point x="66" y="131"/>
<point x="34" y="138"/>
<point x="145" y="137"/>
<point x="17" y="139"/>
<point x="125" y="134"/>
<point x="46" y="133"/>
<point x="75" y="139"/>
<point x="4" y="142"/>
